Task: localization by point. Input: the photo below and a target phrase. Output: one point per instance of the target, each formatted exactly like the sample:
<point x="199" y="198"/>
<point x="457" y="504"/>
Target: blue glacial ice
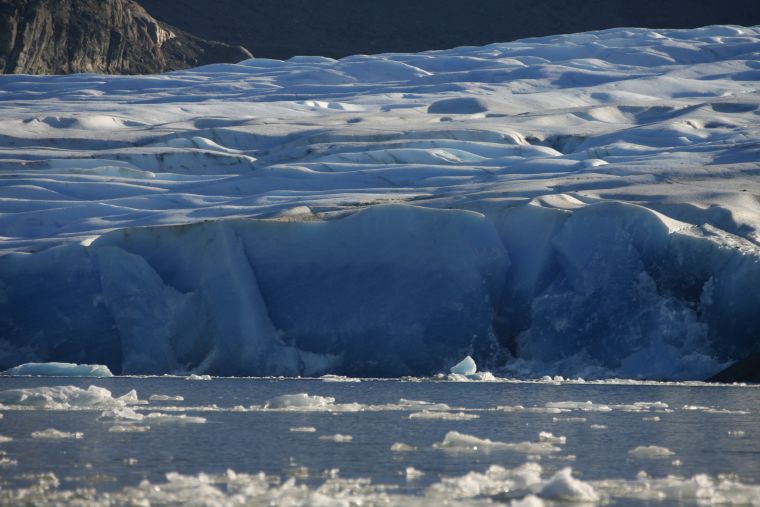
<point x="579" y="205"/>
<point x="54" y="369"/>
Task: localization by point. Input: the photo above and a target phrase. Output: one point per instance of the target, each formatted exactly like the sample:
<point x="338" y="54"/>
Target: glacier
<point x="577" y="205"/>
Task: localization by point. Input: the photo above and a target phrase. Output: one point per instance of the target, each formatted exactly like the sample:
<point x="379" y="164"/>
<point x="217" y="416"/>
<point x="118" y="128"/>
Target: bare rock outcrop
<point x="102" y="36"/>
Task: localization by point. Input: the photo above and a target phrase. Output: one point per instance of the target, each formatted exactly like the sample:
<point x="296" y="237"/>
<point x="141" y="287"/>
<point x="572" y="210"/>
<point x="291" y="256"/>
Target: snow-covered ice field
<point x="228" y="442"/>
<point x="577" y="205"/>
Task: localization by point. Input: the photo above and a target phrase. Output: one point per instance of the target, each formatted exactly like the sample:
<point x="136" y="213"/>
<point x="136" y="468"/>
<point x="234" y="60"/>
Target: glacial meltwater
<point x="337" y="441"/>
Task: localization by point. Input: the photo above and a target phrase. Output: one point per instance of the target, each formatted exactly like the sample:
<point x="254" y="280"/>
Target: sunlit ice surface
<point x="578" y="205"/>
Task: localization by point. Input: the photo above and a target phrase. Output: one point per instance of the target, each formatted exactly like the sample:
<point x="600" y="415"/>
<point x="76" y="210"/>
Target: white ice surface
<point x="63" y="398"/>
<point x="583" y="205"/>
<point x="59" y="370"/>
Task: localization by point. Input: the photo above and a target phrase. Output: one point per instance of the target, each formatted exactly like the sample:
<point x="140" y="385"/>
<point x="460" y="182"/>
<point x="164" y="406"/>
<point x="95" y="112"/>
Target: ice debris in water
<point x="523" y="486"/>
<point x="442" y="416"/>
<point x="525" y="481"/>
<point x="64" y="398"/>
<point x="303" y="429"/>
<point x="466" y="366"/>
<point x="461" y="442"/>
<point x="165" y="397"/>
<point x="412" y="473"/>
<point x="564" y="487"/>
<point x="545" y="436"/>
<point x="402" y="447"/>
<point x="128" y="428"/>
<point x="54" y="369"/>
<point x="336" y="438"/>
<point x="585" y="406"/>
<point x="650" y="451"/>
<point x="52" y="433"/>
<point x="299" y="401"/>
<point x="159" y="417"/>
<point x="120" y="414"/>
<point x="736" y="433"/>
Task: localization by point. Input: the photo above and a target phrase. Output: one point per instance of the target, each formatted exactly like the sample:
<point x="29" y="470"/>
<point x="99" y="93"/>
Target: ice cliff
<point x="576" y="205"/>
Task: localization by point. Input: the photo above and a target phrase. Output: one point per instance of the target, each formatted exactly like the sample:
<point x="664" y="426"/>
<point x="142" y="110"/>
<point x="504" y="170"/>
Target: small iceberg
<point x="466" y="366"/>
<point x="59" y="370"/>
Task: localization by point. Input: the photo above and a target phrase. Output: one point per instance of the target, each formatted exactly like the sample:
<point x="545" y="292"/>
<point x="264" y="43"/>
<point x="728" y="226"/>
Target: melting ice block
<point x="60" y="370"/>
<point x="466" y="366"/>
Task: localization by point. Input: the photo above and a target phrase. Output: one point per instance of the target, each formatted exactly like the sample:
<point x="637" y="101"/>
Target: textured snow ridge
<point x="580" y="205"/>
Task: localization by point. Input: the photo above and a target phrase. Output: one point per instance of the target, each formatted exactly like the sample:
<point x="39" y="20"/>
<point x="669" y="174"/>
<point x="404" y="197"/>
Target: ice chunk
<point x="461" y="442"/>
<point x="159" y="418"/>
<point x="402" y="447"/>
<point x="165" y="397"/>
<point x="545" y="436"/>
<point x="336" y="438"/>
<point x="569" y="419"/>
<point x="59" y="370"/>
<point x="650" y="451"/>
<point x="586" y="406"/>
<point x="443" y="416"/>
<point x="299" y="401"/>
<point x="128" y="428"/>
<point x="564" y="487"/>
<point x="466" y="366"/>
<point x="7" y="462"/>
<point x="120" y="414"/>
<point x="61" y="398"/>
<point x="413" y="474"/>
<point x="53" y="433"/>
<point x="493" y="483"/>
<point x="303" y="429"/>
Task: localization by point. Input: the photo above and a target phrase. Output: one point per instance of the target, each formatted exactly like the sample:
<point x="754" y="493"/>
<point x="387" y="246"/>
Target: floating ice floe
<point x="54" y="369"/>
<point x="442" y="416"/>
<point x="299" y="401"/>
<point x="303" y="429"/>
<point x="161" y="418"/>
<point x="64" y="398"/>
<point x="461" y="442"/>
<point x="338" y="437"/>
<point x="129" y="428"/>
<point x="412" y="473"/>
<point x="54" y="434"/>
<point x="545" y="436"/>
<point x="650" y="451"/>
<point x="165" y="397"/>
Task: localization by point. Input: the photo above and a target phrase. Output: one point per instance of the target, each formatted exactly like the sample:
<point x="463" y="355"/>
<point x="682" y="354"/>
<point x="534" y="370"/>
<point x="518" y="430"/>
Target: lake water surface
<point x="706" y="437"/>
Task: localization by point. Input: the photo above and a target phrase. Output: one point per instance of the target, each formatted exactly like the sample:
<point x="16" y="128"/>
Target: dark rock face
<point x="337" y="28"/>
<point x="103" y="36"/>
<point x="746" y="370"/>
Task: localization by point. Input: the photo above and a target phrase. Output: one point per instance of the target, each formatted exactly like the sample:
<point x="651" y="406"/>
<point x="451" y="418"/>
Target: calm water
<point x="695" y="427"/>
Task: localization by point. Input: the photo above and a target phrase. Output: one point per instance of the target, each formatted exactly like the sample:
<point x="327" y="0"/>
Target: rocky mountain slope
<point x="102" y="36"/>
<point x="338" y="28"/>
